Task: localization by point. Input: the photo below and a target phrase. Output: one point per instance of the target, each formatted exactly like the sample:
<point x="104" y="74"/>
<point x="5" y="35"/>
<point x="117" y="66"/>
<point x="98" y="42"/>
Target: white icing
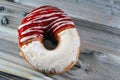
<point x="41" y="9"/>
<point x="35" y="27"/>
<point x="38" y="21"/>
<point x="29" y="30"/>
<point x="58" y="23"/>
<point x="63" y="24"/>
<point x="57" y="59"/>
<point x="48" y="15"/>
<point x="59" y="20"/>
<point x="43" y="20"/>
<point x="29" y="37"/>
<point x="27" y="23"/>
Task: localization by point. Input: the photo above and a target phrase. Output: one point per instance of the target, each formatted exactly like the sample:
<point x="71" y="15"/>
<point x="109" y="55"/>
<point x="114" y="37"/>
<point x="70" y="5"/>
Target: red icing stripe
<point x="45" y="19"/>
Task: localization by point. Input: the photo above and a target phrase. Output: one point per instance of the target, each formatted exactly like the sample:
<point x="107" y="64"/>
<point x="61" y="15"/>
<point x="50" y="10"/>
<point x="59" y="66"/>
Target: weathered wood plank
<point x="96" y="37"/>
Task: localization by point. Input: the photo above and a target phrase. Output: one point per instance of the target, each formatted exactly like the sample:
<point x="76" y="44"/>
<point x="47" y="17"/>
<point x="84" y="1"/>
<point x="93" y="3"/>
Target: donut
<point x="52" y="22"/>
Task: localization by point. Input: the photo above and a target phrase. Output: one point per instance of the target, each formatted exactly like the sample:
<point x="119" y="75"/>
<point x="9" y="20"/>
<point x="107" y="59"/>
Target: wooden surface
<point x="6" y="76"/>
<point x="88" y="67"/>
<point x="99" y="59"/>
<point x="105" y="12"/>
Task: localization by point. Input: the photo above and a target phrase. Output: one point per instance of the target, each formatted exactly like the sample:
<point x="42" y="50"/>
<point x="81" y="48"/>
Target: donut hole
<point x="50" y="43"/>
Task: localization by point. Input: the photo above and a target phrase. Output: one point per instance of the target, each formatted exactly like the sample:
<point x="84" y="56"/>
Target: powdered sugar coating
<point x="54" y="60"/>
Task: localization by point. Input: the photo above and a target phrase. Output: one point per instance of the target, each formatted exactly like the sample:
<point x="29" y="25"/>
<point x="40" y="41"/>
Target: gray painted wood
<point x="100" y="52"/>
<point x="6" y="76"/>
<point x="98" y="11"/>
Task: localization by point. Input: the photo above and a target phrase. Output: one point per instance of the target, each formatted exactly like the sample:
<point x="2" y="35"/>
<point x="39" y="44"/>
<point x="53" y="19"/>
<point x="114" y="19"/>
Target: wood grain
<point x="100" y="34"/>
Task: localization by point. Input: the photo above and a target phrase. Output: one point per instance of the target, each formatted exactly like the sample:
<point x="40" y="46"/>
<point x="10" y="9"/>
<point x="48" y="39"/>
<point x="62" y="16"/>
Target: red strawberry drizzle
<point x="44" y="23"/>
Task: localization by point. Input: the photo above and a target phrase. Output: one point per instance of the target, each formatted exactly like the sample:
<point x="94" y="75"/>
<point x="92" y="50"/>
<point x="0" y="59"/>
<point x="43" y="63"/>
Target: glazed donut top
<point x="43" y="21"/>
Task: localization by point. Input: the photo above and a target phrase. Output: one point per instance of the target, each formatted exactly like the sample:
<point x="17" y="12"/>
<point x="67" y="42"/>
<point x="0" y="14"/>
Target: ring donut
<point x="49" y="21"/>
